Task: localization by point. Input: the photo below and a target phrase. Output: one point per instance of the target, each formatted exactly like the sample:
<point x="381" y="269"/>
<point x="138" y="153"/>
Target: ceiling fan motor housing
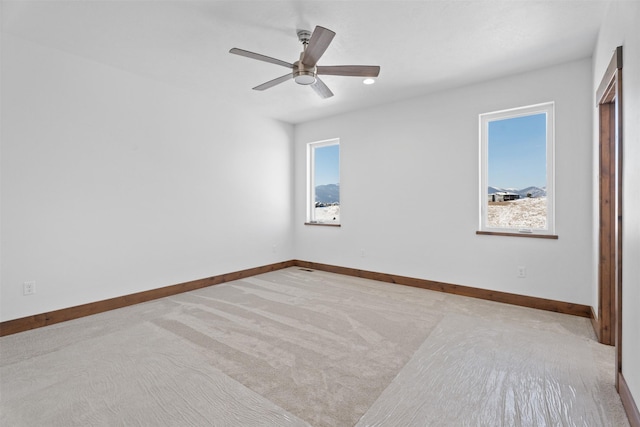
<point x="302" y="74"/>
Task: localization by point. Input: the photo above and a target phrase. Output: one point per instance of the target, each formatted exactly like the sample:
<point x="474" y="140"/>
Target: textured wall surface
<point x="113" y="183"/>
<point x="409" y="189"/>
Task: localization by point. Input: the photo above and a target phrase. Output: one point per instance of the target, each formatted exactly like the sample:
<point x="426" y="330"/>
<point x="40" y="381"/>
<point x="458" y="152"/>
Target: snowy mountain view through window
<point x="517" y="150"/>
<point x="325" y="182"/>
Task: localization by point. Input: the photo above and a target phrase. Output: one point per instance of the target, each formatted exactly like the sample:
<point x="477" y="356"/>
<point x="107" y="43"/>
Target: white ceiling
<point x="421" y="46"/>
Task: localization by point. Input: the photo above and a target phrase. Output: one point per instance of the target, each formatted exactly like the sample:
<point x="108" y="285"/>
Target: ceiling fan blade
<point x="318" y="43"/>
<point x="321" y="89"/>
<point x="272" y="83"/>
<point x="349" y="70"/>
<point x="259" y="57"/>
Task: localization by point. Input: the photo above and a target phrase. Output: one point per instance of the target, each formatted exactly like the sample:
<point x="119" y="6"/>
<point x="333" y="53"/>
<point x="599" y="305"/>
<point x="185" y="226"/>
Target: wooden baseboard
<point x="44" y="319"/>
<point x="628" y="402"/>
<point x="514" y="299"/>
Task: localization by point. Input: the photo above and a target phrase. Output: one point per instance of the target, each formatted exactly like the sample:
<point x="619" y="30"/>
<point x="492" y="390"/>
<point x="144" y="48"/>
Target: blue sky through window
<point x="518" y="152"/>
<point x="327" y="165"/>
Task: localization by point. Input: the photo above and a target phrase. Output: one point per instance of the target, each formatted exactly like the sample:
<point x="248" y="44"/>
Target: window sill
<point x="323" y="224"/>
<point x="535" y="236"/>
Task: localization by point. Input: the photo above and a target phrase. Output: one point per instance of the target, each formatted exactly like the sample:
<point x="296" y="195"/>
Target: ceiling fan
<point x="305" y="71"/>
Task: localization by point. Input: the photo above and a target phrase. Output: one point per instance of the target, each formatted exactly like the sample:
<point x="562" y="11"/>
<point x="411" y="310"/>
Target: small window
<point x="516" y="170"/>
<point x="323" y="179"/>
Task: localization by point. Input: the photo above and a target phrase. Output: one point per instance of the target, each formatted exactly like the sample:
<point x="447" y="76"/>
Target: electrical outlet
<point x="363" y="253"/>
<point x="29" y="288"/>
<point x="522" y="272"/>
<point x="274" y="249"/>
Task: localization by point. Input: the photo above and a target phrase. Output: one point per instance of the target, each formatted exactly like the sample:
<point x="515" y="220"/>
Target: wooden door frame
<point x="609" y="103"/>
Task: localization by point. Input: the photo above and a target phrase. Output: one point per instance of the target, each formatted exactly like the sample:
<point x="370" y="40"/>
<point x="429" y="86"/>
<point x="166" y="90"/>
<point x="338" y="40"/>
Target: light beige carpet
<point x="295" y="347"/>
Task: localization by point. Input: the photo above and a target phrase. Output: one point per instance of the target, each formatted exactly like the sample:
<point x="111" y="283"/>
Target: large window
<point x="516" y="170"/>
<point x="323" y="180"/>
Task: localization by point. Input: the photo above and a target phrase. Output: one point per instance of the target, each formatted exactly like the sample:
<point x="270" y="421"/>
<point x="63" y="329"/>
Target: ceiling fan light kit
<point x="304" y="77"/>
<point x="305" y="71"/>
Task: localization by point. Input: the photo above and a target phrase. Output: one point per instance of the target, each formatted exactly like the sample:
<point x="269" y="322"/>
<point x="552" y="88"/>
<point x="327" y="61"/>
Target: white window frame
<point x="311" y="187"/>
<point x="549" y="109"/>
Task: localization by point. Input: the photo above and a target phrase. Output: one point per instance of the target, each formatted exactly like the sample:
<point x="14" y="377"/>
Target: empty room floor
<point x="308" y="348"/>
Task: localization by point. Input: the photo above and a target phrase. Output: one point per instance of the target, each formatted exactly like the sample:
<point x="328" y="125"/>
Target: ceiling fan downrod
<point x="302" y="74"/>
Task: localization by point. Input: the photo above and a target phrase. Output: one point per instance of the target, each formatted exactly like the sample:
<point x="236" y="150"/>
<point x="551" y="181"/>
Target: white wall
<point x="620" y="28"/>
<point x="409" y="189"/>
<point x="113" y="184"/>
